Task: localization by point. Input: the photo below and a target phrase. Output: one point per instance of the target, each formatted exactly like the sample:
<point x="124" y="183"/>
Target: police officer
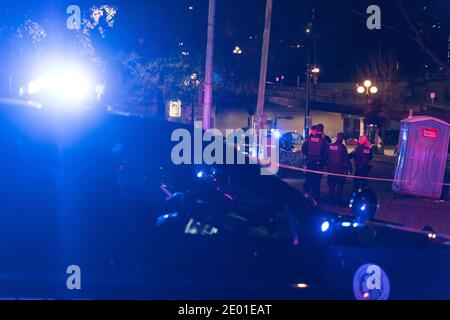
<point x="314" y="148"/>
<point x="321" y="127"/>
<point x="362" y="156"/>
<point x="307" y="185"/>
<point x="338" y="161"/>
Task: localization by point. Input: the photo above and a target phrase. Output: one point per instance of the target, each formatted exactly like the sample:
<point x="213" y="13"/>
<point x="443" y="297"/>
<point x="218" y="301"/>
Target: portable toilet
<point x="422" y="156"/>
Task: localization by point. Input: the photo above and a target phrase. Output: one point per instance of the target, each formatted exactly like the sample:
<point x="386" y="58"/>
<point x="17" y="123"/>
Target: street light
<point x="367" y="88"/>
<point x="237" y="50"/>
<point x="361" y="89"/>
<point x="308" y="28"/>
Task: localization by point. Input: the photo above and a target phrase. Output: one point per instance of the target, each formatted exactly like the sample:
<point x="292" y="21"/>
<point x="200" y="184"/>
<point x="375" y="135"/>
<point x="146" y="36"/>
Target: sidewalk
<point x="408" y="211"/>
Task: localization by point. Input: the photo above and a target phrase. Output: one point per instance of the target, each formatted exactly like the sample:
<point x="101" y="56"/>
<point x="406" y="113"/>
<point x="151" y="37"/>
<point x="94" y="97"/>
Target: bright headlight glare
<point x="325" y="226"/>
<point x="72" y="85"/>
<point x="38" y="85"/>
<point x="65" y="84"/>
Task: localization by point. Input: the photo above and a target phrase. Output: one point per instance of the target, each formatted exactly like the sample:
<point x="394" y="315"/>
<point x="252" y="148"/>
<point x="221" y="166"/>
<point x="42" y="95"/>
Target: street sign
<point x="175" y="108"/>
<point x="432" y="96"/>
<point x="315" y="79"/>
<point x="261" y="122"/>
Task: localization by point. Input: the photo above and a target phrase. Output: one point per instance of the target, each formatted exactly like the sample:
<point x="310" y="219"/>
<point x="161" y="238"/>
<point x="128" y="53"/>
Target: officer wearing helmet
<point x="338" y="161"/>
<point x="362" y="156"/>
<point x="314" y="149"/>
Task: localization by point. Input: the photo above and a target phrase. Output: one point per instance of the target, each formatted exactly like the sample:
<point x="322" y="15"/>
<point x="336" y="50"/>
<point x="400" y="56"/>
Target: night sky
<point x="155" y="28"/>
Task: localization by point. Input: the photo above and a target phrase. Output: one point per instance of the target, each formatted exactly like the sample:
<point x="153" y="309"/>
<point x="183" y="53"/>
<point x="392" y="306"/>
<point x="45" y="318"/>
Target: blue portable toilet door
<point x="427" y="164"/>
<point x="398" y="185"/>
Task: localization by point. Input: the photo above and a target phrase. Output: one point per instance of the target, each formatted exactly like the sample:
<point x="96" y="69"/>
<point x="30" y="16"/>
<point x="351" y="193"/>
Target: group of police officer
<point x="323" y="155"/>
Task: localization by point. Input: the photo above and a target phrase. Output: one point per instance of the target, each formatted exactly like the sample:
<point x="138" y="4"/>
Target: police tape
<point x="326" y="173"/>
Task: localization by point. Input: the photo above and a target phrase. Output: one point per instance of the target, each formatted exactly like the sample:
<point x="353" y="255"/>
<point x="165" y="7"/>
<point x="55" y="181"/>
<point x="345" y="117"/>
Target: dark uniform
<point x="314" y="148"/>
<point x="321" y="128"/>
<point x="362" y="156"/>
<point x="338" y="161"/>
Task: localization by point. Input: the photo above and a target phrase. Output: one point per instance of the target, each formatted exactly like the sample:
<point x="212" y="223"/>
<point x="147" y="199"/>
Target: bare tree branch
<point x="419" y="39"/>
<point x="386" y="26"/>
<point x="416" y="38"/>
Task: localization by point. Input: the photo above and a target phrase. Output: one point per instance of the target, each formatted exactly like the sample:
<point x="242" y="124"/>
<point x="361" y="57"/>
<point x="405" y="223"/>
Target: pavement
<point x="409" y="211"/>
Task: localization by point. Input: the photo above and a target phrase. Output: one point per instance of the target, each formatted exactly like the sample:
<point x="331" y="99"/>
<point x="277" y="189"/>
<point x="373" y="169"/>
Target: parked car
<point x="100" y="192"/>
<point x="290" y="153"/>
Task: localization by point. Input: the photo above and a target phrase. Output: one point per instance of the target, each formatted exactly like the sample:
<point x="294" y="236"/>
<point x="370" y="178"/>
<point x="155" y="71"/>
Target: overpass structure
<point x="346" y="101"/>
<point x="326" y="99"/>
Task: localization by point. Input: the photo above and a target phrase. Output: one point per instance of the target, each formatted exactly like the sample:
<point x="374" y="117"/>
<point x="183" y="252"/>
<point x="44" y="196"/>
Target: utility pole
<point x="208" y="95"/>
<point x="309" y="30"/>
<point x="307" y="91"/>
<point x="263" y="68"/>
<point x="10" y="86"/>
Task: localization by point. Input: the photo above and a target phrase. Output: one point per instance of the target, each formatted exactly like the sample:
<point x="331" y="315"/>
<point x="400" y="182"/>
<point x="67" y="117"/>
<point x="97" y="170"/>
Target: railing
<point x="294" y="96"/>
<point x="436" y="107"/>
<point x="341" y="97"/>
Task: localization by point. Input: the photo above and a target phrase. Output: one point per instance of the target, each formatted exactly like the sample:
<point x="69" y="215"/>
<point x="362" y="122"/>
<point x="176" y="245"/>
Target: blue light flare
<point x="325" y="226"/>
<point x="200" y="174"/>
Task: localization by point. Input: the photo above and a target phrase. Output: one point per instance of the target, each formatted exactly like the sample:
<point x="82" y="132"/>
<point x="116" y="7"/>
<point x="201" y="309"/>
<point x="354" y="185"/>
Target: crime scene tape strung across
<point x="284" y="166"/>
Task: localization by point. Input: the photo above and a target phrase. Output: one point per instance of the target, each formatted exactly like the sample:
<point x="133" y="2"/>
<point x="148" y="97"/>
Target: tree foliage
<point x="143" y="81"/>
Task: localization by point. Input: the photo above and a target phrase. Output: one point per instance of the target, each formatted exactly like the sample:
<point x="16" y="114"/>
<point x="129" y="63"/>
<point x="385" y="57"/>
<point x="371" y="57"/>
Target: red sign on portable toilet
<point x="430" y="133"/>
